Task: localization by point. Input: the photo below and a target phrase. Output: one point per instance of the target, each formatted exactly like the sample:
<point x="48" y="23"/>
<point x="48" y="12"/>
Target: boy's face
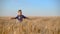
<point x="19" y="13"/>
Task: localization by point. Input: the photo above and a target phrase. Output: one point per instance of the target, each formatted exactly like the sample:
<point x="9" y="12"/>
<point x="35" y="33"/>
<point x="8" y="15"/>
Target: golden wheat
<point x="37" y="25"/>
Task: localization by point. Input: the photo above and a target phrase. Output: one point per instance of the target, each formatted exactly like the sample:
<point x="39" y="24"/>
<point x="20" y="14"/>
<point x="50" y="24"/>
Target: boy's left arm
<point x="26" y="17"/>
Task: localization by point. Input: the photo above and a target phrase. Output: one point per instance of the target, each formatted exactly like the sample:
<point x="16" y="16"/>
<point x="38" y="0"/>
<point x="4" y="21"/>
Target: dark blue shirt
<point x="20" y="18"/>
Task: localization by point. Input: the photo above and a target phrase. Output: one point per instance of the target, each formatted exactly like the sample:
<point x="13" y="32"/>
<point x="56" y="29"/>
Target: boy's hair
<point x="19" y="10"/>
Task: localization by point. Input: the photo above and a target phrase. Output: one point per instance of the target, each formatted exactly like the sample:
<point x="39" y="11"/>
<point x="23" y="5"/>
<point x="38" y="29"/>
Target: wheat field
<point x="37" y="25"/>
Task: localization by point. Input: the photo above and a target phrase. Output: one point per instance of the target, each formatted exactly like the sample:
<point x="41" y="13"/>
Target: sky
<point x="30" y="7"/>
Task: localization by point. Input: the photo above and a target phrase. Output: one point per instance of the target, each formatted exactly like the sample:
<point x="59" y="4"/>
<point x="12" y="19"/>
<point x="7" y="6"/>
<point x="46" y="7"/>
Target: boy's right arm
<point x="14" y="17"/>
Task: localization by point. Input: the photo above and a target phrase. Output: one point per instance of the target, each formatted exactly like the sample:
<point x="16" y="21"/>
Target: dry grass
<point x="39" y="25"/>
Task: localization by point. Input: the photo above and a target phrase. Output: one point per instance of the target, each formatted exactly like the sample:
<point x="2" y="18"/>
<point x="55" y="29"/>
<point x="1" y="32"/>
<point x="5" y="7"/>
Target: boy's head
<point x="19" y="12"/>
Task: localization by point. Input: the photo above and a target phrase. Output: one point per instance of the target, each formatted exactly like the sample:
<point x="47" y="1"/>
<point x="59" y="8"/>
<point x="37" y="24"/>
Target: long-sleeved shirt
<point x="20" y="18"/>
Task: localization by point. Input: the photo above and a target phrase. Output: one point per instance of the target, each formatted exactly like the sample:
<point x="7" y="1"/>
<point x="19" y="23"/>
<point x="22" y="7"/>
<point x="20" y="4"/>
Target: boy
<point x="20" y="17"/>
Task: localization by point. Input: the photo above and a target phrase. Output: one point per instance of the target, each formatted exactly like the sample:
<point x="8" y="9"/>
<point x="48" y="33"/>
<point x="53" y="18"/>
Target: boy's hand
<point x="9" y="18"/>
<point x="29" y="18"/>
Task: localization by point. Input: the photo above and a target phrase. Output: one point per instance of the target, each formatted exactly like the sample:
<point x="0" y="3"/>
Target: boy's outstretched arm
<point x="14" y="17"/>
<point x="26" y="17"/>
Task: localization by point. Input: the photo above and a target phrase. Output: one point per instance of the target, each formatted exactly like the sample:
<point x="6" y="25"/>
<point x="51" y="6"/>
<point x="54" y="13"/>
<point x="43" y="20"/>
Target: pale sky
<point x="30" y="7"/>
